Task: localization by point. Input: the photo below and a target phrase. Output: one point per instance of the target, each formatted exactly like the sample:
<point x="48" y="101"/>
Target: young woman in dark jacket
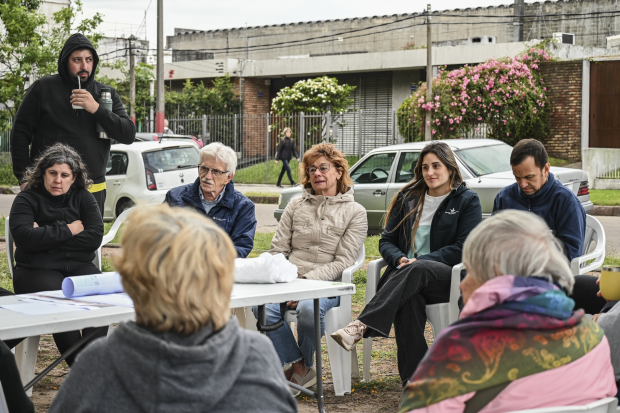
<point x="57" y="227"/>
<point x="436" y="211"/>
<point x="286" y="150"/>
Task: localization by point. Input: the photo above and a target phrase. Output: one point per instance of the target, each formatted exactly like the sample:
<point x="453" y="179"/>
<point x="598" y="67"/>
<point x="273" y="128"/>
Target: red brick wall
<point x="254" y="139"/>
<point x="563" y="81"/>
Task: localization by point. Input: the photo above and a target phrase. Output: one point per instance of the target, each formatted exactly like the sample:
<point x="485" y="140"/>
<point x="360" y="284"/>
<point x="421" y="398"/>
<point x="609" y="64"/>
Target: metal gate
<point x="605" y="104"/>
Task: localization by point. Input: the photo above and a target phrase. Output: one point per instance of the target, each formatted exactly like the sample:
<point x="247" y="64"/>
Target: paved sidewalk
<point x="245" y="188"/>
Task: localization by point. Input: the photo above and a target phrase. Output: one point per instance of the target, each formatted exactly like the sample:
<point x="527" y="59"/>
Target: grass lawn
<point x="258" y="193"/>
<point x="605" y="197"/>
<point x="255" y="174"/>
<point x="558" y="161"/>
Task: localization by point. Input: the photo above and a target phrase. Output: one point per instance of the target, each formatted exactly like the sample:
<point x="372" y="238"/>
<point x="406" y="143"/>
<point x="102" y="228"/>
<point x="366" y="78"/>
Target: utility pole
<point x="132" y="80"/>
<point x="159" y="109"/>
<point x="429" y="74"/>
<point x="518" y="24"/>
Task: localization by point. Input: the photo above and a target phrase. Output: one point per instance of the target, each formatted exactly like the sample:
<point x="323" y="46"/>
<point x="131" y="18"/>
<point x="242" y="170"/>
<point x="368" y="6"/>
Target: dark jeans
<point x="27" y="281"/>
<point x="401" y="299"/>
<point x="286" y="168"/>
<point x="584" y="294"/>
<point x="100" y="198"/>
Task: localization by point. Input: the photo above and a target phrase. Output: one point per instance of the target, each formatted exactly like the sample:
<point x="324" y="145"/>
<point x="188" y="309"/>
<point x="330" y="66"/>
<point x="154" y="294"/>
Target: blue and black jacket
<point x="235" y="213"/>
<point x="454" y="219"/>
<point x="557" y="205"/>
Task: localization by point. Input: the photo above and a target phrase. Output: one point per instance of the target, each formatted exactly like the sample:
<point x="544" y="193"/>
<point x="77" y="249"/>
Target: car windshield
<point x="485" y="160"/>
<point x="171" y="159"/>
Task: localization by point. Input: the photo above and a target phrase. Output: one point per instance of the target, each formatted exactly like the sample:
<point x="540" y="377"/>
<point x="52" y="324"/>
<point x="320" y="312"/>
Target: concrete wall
<point x="401" y="85"/>
<point x="403" y="29"/>
<point x="599" y="161"/>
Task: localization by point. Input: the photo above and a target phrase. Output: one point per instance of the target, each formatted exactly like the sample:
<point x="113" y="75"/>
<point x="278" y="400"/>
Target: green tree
<point x="313" y="95"/>
<point x="144" y="76"/>
<point x="28" y="51"/>
<point x="196" y="99"/>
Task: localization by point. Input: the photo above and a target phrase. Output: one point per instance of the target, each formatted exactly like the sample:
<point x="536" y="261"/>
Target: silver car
<point x="484" y="164"/>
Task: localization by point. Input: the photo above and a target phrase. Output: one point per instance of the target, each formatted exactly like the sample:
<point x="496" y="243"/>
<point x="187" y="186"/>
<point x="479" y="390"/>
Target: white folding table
<point x="17" y="325"/>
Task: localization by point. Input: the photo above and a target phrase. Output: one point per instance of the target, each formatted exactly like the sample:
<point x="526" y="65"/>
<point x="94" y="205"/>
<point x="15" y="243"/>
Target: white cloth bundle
<point x="265" y="269"/>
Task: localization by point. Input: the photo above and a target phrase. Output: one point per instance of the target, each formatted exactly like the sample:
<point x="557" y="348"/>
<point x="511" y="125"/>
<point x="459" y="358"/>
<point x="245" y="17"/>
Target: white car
<point x="143" y="172"/>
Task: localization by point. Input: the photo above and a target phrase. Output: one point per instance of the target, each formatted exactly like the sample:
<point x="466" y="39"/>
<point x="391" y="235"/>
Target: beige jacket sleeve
<point x="347" y="250"/>
<point x="281" y="241"/>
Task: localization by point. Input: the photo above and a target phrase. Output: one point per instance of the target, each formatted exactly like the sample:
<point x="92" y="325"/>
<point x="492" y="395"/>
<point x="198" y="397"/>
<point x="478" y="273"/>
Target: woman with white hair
<point x="184" y="352"/>
<point x="213" y="194"/>
<point x="518" y="343"/>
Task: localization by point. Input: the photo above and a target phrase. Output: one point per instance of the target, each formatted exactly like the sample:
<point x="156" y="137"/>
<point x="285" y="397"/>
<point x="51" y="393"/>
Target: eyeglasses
<point x="324" y="168"/>
<point x="203" y="170"/>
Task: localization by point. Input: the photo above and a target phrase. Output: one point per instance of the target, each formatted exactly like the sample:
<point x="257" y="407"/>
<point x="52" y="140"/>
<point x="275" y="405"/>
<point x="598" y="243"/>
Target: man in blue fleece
<point x="538" y="191"/>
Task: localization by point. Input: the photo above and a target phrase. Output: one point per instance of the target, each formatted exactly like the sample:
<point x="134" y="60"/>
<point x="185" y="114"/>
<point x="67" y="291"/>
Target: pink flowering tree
<point x="508" y="95"/>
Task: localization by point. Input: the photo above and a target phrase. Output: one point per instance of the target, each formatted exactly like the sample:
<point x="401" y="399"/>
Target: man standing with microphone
<point x="64" y="108"/>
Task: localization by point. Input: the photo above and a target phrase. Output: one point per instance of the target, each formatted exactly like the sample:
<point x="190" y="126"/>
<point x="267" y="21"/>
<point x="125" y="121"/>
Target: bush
<point x="508" y="95"/>
<point x="6" y="175"/>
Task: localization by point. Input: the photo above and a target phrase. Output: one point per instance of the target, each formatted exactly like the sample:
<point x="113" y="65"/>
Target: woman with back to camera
<point x="518" y="343"/>
<point x="426" y="226"/>
<point x="57" y="228"/>
<point x="286" y="150"/>
<point x="184" y="353"/>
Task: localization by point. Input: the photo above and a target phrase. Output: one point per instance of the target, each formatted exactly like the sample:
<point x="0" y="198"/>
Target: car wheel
<point x="127" y="204"/>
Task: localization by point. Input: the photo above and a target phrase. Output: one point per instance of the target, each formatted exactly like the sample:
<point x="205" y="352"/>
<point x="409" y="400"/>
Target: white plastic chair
<point x="439" y="316"/>
<point x="606" y="405"/>
<point x="595" y="233"/>
<point x="26" y="351"/>
<point x="344" y="366"/>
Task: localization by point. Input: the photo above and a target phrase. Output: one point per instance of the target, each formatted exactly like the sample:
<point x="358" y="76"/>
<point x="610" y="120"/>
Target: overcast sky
<point x="123" y="17"/>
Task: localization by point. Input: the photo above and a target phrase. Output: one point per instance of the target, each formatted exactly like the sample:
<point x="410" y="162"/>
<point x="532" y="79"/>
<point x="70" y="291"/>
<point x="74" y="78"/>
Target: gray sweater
<point x="136" y="370"/>
<point x="610" y="321"/>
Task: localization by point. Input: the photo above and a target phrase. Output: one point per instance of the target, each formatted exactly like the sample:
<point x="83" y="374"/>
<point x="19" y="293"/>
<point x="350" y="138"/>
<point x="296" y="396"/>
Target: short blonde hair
<point x="334" y="156"/>
<point x="516" y="243"/>
<point x="177" y="266"/>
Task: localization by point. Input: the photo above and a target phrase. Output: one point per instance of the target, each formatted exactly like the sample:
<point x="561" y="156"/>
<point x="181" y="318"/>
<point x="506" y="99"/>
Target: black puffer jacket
<point x="454" y="219"/>
<point x="46" y="117"/>
<point x="286" y="150"/>
<point x="51" y="246"/>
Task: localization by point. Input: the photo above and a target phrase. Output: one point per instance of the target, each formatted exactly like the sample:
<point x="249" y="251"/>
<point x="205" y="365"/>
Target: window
<point x="117" y="164"/>
<point x="406" y="165"/>
<point x="485" y="160"/>
<point x="171" y="159"/>
<point x="374" y="170"/>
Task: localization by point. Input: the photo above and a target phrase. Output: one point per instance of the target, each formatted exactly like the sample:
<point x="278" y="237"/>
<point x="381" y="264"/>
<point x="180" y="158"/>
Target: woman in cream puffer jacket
<point x="321" y="233"/>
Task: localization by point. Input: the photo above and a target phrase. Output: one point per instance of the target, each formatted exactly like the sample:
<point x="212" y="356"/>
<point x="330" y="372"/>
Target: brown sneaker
<point x="349" y="336"/>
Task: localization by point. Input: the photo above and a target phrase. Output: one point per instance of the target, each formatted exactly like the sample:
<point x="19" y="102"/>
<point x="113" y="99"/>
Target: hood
<point x="166" y="369"/>
<point x="74" y="42"/>
<point x="308" y="194"/>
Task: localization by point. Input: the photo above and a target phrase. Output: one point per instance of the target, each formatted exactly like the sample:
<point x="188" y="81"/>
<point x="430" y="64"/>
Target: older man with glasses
<point x="213" y="194"/>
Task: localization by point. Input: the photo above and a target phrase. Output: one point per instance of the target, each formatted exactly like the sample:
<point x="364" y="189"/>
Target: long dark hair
<point x="418" y="187"/>
<point x="62" y="154"/>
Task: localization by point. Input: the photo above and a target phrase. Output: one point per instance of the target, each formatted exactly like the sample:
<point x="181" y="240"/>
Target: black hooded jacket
<point x="46" y="117"/>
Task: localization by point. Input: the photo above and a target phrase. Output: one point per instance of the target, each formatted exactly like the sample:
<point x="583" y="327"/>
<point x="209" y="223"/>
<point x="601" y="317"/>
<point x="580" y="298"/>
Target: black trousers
<point x="27" y="280"/>
<point x="100" y="198"/>
<point x="584" y="294"/>
<point x="285" y="168"/>
<point x="12" y="385"/>
<point x="401" y="299"/>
